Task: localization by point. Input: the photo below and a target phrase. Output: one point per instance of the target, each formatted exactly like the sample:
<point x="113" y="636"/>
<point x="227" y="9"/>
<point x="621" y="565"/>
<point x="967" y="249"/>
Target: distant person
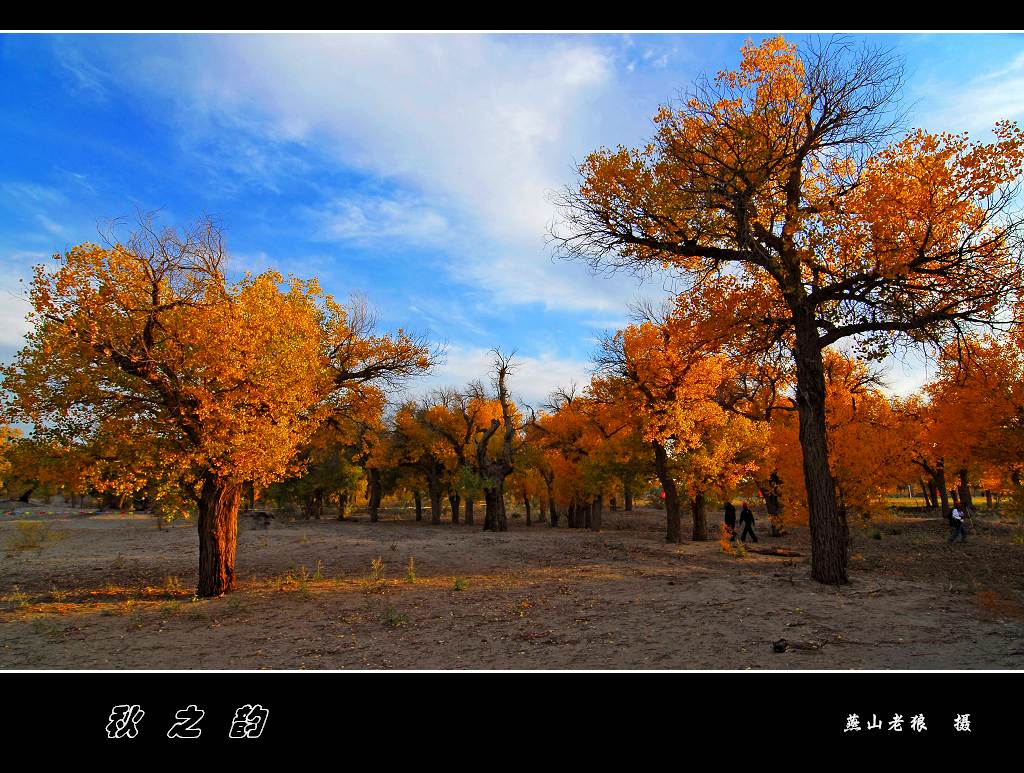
<point x="730" y="520"/>
<point x="747" y="519"/>
<point x="957" y="519"/>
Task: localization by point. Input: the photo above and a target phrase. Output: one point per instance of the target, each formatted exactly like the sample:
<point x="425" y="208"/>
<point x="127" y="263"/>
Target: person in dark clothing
<point x="730" y="520"/>
<point x="956" y="518"/>
<point x="747" y="519"/>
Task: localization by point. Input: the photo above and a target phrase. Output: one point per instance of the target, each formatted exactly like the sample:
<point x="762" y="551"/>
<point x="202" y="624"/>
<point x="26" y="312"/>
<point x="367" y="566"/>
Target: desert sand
<point x="111" y="591"/>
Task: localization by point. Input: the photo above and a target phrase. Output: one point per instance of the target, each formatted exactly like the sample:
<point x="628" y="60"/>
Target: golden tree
<point x="147" y="340"/>
<point x="782" y="176"/>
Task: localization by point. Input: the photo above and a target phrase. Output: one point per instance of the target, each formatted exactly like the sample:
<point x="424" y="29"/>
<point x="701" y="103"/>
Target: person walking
<point x="730" y="520"/>
<point x="747" y="519"/>
<point x="957" y="520"/>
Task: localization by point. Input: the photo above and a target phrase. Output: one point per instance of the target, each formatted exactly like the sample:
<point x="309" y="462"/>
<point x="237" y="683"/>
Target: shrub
<point x="33" y="535"/>
<point x="377" y="569"/>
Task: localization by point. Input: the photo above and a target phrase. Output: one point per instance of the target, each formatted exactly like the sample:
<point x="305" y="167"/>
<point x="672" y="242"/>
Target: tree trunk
<point x="988" y="499"/>
<point x="435" y="504"/>
<point x="674" y="531"/>
<point x="934" y="490"/>
<point x="552" y="512"/>
<point x="373" y="493"/>
<point x="700" y="518"/>
<point x="24" y="497"/>
<point x="526" y="502"/>
<point x="313" y="505"/>
<point x="494" y="516"/>
<point x="218" y="535"/>
<point x="939" y="482"/>
<point x="926" y="493"/>
<point x="965" y="491"/>
<point x="343" y="506"/>
<point x="613" y="503"/>
<point x="469" y="510"/>
<point x="418" y="499"/>
<point x="830" y="535"/>
<point x="595" y="513"/>
<point x="454" y="500"/>
<point x="773" y="504"/>
<point x="627" y="495"/>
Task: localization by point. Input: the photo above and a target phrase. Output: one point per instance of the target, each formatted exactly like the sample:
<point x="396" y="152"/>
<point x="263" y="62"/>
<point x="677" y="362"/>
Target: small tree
<point x="494" y="450"/>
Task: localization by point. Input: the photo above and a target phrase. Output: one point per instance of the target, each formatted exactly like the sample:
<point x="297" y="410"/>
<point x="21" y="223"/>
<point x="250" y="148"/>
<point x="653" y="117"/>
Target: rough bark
<point x="418" y="499"/>
<point x="526" y="502"/>
<point x="773" y="504"/>
<point x="373" y="493"/>
<point x="494" y="515"/>
<point x="928" y="502"/>
<point x="595" y="513"/>
<point x="674" y="525"/>
<point x="965" y="491"/>
<point x="454" y="500"/>
<point x="435" y="504"/>
<point x="313" y="504"/>
<point x="469" y="510"/>
<point x="218" y="535"/>
<point x="700" y="517"/>
<point x="627" y="496"/>
<point x="829" y="530"/>
<point x="939" y="481"/>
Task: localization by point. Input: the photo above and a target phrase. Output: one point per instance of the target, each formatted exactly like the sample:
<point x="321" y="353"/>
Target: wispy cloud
<point x="85" y="77"/>
<point x="366" y="220"/>
<point x="532" y="380"/>
<point x="13" y="308"/>
<point x="975" y="105"/>
<point x="471" y="131"/>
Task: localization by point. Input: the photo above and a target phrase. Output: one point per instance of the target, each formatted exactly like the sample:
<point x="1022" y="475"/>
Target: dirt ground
<point x="112" y="591"/>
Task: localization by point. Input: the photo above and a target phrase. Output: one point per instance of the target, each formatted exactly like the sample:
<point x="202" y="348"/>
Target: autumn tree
<point x="146" y="338"/>
<point x="783" y="176"/>
<point x="674" y="371"/>
<point x="417" y="445"/>
<point x="495" y="444"/>
<point x="456" y="417"/>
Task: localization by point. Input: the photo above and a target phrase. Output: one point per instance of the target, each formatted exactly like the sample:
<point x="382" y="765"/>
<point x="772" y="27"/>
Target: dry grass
<point x="33" y="535"/>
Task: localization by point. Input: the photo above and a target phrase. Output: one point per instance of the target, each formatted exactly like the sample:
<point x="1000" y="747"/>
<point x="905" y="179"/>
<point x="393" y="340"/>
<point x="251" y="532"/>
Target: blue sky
<point x="413" y="169"/>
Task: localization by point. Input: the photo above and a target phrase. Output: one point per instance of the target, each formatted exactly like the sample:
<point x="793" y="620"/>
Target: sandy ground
<point x="112" y="591"/>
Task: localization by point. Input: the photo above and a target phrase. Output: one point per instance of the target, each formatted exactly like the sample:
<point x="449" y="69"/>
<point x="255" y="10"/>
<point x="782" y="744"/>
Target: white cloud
<point x="368" y="219"/>
<point x="13" y="308"/>
<point x="469" y="117"/>
<point x="977" y="104"/>
<point x="533" y="379"/>
<point x="474" y="130"/>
